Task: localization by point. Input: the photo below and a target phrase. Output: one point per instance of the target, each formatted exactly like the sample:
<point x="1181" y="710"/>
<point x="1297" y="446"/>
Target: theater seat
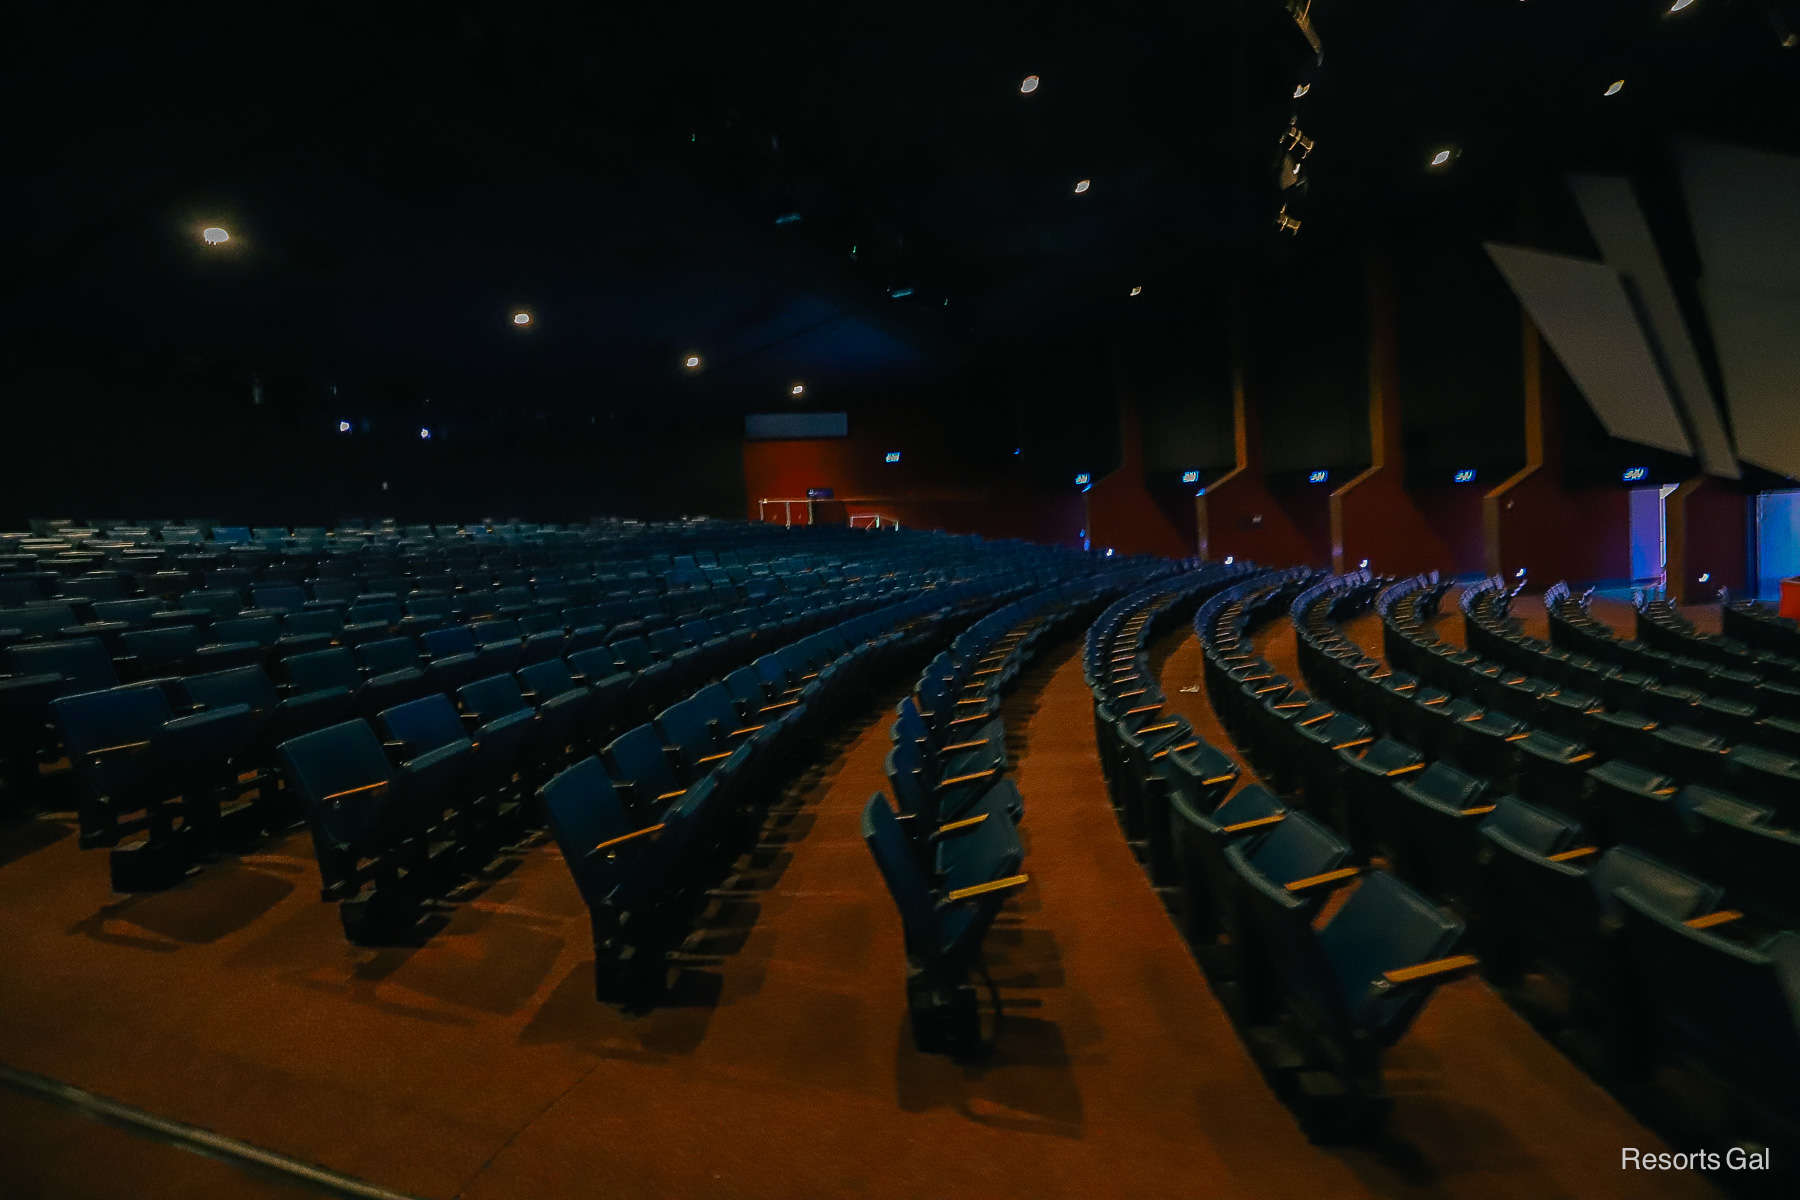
<point x="944" y="928"/>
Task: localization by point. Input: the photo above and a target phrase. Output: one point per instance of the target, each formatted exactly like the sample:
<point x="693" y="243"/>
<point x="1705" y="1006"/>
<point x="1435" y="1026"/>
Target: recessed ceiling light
<point x="1028" y="85"/>
<point x="213" y="235"/>
<point x="1613" y="89"/>
<point x="521" y="318"/>
<point x="691" y="362"/>
<point x="1082" y="186"/>
<point x="799" y="389"/>
<point x="1302" y="90"/>
<point x="1679" y="5"/>
<point x="1136" y="290"/>
<point x="1442" y="157"/>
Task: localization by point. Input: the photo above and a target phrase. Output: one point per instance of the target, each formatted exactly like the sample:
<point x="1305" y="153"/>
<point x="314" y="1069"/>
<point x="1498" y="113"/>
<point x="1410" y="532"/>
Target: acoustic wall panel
<point x="1584" y="314"/>
<point x="1757" y="334"/>
<point x="1626" y="243"/>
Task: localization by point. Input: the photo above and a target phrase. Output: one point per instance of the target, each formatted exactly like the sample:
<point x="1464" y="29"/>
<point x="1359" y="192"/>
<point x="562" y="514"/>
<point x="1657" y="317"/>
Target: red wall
<point x="1555" y="533"/>
<point x="1242" y="517"/>
<point x="926" y="489"/>
<point x="1454" y="513"/>
<point x="1122" y="513"/>
<point x="1376" y="519"/>
<point x="1709" y="524"/>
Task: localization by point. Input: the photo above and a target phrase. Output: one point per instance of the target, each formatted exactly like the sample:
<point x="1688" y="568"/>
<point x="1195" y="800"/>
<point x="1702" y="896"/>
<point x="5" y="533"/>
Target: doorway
<point x="1649" y="533"/>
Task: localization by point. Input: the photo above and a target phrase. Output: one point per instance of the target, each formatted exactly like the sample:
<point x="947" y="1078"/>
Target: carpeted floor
<point x="480" y="1065"/>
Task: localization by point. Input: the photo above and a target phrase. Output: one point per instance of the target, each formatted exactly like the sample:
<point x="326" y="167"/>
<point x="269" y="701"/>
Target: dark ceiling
<point x="397" y="186"/>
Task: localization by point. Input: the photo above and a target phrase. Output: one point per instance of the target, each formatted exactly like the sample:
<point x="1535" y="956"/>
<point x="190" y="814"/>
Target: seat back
<point x="1296" y="848"/>
<point x="335" y="771"/>
<point x="388" y="654"/>
<point x="906" y="882"/>
<point x="422" y="724"/>
<point x="319" y="669"/>
<point x="583" y="810"/>
<point x="637" y="761"/>
<point x="1674" y="892"/>
<point x="83" y="663"/>
<point x="1382" y="926"/>
<point x="237" y="685"/>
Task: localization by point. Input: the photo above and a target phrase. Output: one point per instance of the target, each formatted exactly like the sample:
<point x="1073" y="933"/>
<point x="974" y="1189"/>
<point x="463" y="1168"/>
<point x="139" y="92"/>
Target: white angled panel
<point x="1583" y="312"/>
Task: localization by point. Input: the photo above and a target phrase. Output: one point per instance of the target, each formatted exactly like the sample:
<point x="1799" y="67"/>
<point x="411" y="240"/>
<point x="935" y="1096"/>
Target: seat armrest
<point x="1325" y="881"/>
<point x="969" y="745"/>
<point x="1254" y="823"/>
<point x="123" y="748"/>
<point x="1721" y="917"/>
<point x="962" y="826"/>
<point x="988" y="888"/>
<point x="337" y="798"/>
<point x="1438" y="970"/>
<point x="1479" y="810"/>
<point x="1571" y="855"/>
<point x="610" y="843"/>
<point x="972" y="775"/>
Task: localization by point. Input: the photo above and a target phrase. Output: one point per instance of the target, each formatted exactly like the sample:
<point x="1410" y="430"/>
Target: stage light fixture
<point x="1028" y="85"/>
<point x="343" y="427"/>
<point x="424" y="433"/>
<point x="1443" y="157"/>
<point x="1614" y="88"/>
<point x="1136" y="290"/>
<point x="1082" y="186"/>
<point x="692" y="362"/>
<point x="521" y="318"/>
<point x="799" y="389"/>
<point x="214" y="235"/>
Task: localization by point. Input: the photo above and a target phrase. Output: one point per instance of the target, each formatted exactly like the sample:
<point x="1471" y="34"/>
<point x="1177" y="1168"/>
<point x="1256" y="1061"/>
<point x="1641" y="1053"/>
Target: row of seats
<point x="584" y="700"/>
<point x="1756" y="624"/>
<point x="647" y="825"/>
<point x="1249" y="876"/>
<point x="1614" y="880"/>
<point x="947" y="846"/>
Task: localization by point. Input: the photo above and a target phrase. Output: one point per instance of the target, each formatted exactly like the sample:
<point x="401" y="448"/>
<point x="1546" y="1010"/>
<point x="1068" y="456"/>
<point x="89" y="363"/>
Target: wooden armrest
<point x="1166" y="750"/>
<point x="1315" y="720"/>
<point x="1129" y="695"/>
<point x="121" y="748"/>
<point x="1577" y="852"/>
<point x="747" y="729"/>
<point x="1215" y="780"/>
<point x="955" y="779"/>
<point x="965" y="823"/>
<point x="778" y="704"/>
<point x="706" y="758"/>
<point x="1406" y="770"/>
<point x="673" y="794"/>
<point x="1159" y="728"/>
<point x="1328" y="879"/>
<point x="1253" y="823"/>
<point x="1455" y="964"/>
<point x="982" y="889"/>
<point x="1713" y="918"/>
<point x="1353" y="743"/>
<point x="982" y="716"/>
<point x="965" y="745"/>
<point x="334" y="797"/>
<point x="1479" y="810"/>
<point x="1142" y="708"/>
<point x="646" y="831"/>
<point x="974" y="700"/>
<point x="987" y="671"/>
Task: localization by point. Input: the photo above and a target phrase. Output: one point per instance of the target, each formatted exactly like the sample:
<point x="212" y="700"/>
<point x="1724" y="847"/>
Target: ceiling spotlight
<point x="1028" y="85"/>
<point x="799" y="389"/>
<point x="521" y="318"/>
<point x="1679" y="5"/>
<point x="1617" y="86"/>
<point x="1083" y="186"/>
<point x="1706" y="577"/>
<point x="1442" y="157"/>
<point x="343" y="427"/>
<point x="213" y="235"/>
<point x="424" y="434"/>
<point x="1302" y="90"/>
<point x="691" y="362"/>
<point x="1136" y="290"/>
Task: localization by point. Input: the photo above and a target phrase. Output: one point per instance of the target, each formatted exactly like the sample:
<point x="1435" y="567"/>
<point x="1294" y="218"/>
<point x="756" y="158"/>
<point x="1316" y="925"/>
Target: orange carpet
<point x="479" y="1065"/>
